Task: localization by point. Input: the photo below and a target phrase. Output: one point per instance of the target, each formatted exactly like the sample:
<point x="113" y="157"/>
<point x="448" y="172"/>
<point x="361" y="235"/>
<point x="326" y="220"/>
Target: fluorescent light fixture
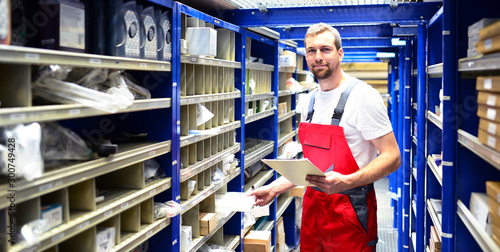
<point x="398" y="42"/>
<point x="386" y="55"/>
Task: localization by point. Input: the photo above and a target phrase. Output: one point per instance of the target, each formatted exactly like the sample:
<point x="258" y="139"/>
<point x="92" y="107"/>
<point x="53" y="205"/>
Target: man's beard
<point x="323" y="74"/>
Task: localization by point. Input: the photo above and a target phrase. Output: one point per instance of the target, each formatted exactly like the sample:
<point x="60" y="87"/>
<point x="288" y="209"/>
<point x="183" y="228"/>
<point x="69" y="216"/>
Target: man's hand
<point x="263" y="195"/>
<point x="333" y="182"/>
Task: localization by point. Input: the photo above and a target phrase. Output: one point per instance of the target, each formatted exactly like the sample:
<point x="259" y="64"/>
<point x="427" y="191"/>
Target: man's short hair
<point x="318" y="28"/>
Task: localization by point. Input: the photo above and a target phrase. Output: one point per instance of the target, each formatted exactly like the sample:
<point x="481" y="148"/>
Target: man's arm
<point x="388" y="160"/>
<point x="266" y="194"/>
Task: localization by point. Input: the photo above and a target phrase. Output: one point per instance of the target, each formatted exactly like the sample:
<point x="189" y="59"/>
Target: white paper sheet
<point x="295" y="170"/>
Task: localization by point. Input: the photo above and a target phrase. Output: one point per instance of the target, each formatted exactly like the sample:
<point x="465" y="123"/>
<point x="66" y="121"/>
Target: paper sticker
<point x="492" y="141"/>
<point x="487" y="44"/>
<point x="487" y="83"/>
<point x="492" y="100"/>
<point x="492" y="128"/>
<point x="491" y="114"/>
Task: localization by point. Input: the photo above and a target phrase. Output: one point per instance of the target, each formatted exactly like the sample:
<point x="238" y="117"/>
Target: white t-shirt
<point x="365" y="118"/>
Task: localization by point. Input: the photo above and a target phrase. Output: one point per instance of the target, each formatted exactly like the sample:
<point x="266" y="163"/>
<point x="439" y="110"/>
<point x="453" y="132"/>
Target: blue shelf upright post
<point x="421" y="164"/>
<point x="393" y="178"/>
<point x="400" y="143"/>
<point x="405" y="87"/>
<point x="449" y="143"/>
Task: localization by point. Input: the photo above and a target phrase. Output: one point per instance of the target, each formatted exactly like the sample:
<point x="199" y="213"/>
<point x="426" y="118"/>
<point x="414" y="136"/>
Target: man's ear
<point x="341" y="54"/>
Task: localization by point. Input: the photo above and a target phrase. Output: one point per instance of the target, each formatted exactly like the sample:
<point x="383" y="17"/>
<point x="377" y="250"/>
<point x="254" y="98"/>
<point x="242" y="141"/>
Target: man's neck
<point x="333" y="82"/>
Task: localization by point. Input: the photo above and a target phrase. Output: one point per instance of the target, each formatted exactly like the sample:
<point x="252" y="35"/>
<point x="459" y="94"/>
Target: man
<point x="346" y="125"/>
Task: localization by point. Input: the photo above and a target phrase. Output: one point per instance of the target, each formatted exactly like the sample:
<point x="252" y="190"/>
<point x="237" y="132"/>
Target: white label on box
<point x="491" y="114"/>
<point x="53" y="216"/>
<point x="72" y="27"/>
<point x="492" y="128"/>
<point x="487" y="83"/>
<point x="498" y="197"/>
<point x="492" y="100"/>
<point x="487" y="44"/>
<point x="492" y="141"/>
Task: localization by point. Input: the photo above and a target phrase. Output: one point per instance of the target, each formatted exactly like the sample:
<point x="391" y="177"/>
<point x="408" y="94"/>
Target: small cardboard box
<point x="282" y="108"/>
<point x="280" y="228"/>
<point x="494" y="211"/>
<point x="495" y="229"/>
<point x="186" y="238"/>
<point x="490" y="30"/>
<point x="298" y="191"/>
<point x="53" y="214"/>
<point x="488" y="83"/>
<point x="480" y="210"/>
<point x="435" y="239"/>
<point x="287" y="61"/>
<point x="490" y="113"/>
<point x="475" y="28"/>
<point x="489" y="45"/>
<point x="489" y="140"/>
<point x="493" y="189"/>
<point x="257" y="241"/>
<point x="492" y="128"/>
<point x="495" y="239"/>
<point x="208" y="222"/>
<point x="488" y="98"/>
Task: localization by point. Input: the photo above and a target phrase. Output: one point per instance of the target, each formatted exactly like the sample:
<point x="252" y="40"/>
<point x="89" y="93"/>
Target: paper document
<point x="295" y="170"/>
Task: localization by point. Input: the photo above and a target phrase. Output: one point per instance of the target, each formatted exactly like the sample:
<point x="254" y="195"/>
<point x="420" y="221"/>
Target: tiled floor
<point x="388" y="236"/>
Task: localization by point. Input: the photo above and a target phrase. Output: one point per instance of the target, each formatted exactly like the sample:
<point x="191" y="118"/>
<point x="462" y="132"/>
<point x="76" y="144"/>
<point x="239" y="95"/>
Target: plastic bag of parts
<point x="229" y="164"/>
<point x="49" y="86"/>
<point x="248" y="219"/>
<point x="293" y="85"/>
<point x="168" y="209"/>
<point x="60" y="144"/>
<point x="32" y="231"/>
<point x="251" y="86"/>
<point x="218" y="177"/>
<point x="290" y="150"/>
<point x="88" y="77"/>
<point x="138" y="91"/>
<point x="234" y="201"/>
<point x="21" y="151"/>
<point x="209" y="247"/>
<point x="251" y="171"/>
<point x="202" y="114"/>
<point x="152" y="170"/>
<point x="191" y="185"/>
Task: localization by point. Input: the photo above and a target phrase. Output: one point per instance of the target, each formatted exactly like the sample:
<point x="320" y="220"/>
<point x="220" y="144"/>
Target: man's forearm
<point x="383" y="165"/>
<point x="281" y="185"/>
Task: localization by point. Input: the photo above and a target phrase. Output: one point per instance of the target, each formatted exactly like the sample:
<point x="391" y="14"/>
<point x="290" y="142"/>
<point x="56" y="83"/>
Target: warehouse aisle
<point x="388" y="236"/>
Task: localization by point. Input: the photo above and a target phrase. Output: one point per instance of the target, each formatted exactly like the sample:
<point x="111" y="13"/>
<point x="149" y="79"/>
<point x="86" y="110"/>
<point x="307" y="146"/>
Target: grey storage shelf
<point x="198" y="242"/>
<point x="206" y="163"/>
<point x="258" y="116"/>
<point x="285" y="92"/>
<point x="286" y="116"/>
<point x="438" y="171"/>
<point x="287" y="137"/>
<point x="187" y="140"/>
<point x="231" y="241"/>
<point x="259" y="180"/>
<point x="254" y="97"/>
<point x="435" y="71"/>
<point x="287" y="69"/>
<point x="258" y="66"/>
<point x="483" y="239"/>
<point x="480" y="63"/>
<point x="140" y="237"/>
<point x="257" y="151"/>
<point x="486" y="153"/>
<point x="194" y="99"/>
<point x="435" y="119"/>
<point x="9" y="116"/>
<point x="67" y="230"/>
<point x="54" y="180"/>
<point x="36" y="56"/>
<point x="434" y="218"/>
<point x="200" y="60"/>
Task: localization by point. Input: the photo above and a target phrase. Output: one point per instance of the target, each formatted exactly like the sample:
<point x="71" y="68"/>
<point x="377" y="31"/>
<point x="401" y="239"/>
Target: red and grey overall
<point x="345" y="221"/>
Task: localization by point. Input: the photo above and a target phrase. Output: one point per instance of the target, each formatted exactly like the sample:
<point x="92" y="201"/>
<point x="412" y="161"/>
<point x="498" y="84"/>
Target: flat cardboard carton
<point x="488" y="83"/>
<point x="490" y="113"/>
<point x="493" y="189"/>
<point x="208" y="222"/>
<point x="257" y="241"/>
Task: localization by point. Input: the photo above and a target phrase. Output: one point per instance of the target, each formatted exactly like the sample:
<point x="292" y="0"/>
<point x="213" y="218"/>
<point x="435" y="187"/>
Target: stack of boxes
<point x="280" y="236"/>
<point x="489" y="38"/>
<point x="479" y="209"/>
<point x="434" y="241"/>
<point x="493" y="191"/>
<point x="473" y="33"/>
<point x="488" y="100"/>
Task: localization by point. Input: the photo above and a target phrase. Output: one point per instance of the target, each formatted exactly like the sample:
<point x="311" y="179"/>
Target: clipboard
<point x="295" y="170"/>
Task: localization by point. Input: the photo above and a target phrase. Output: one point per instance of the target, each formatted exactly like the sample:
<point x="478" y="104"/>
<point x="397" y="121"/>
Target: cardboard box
<point x="495" y="230"/>
<point x="489" y="45"/>
<point x="490" y="30"/>
<point x="287" y="61"/>
<point x="298" y="191"/>
<point x="493" y="189"/>
<point x="202" y="41"/>
<point x="208" y="222"/>
<point x="257" y="241"/>
<point x="488" y="98"/>
<point x="489" y="140"/>
<point x="490" y="113"/>
<point x="480" y="210"/>
<point x="435" y="239"/>
<point x="492" y="128"/>
<point x="280" y="228"/>
<point x="105" y="239"/>
<point x="494" y="211"/>
<point x="475" y="28"/>
<point x="53" y="214"/>
<point x="488" y="83"/>
<point x="495" y="239"/>
<point x="186" y="238"/>
<point x="282" y="108"/>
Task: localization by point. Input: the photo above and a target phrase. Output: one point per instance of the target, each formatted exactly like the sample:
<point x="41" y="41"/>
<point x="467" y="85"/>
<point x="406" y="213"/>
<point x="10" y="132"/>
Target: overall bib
<point x="346" y="221"/>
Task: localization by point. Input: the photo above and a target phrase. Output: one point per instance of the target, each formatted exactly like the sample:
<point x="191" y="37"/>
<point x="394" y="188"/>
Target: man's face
<point x="322" y="57"/>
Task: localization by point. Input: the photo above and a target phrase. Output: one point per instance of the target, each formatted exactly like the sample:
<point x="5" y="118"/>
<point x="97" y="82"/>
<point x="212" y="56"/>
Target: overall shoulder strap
<point x="310" y="111"/>
<point x="339" y="110"/>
